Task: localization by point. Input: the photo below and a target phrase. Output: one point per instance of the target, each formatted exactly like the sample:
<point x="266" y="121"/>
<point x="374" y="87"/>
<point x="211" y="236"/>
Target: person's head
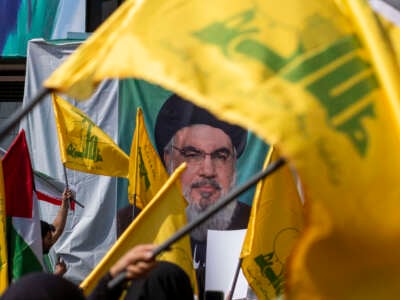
<point x="186" y="133"/>
<point x="47" y="235"/>
<point x="211" y="163"/>
<point x="42" y="286"/>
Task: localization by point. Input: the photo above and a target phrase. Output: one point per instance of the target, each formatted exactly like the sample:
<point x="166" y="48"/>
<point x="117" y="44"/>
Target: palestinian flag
<point x="23" y="224"/>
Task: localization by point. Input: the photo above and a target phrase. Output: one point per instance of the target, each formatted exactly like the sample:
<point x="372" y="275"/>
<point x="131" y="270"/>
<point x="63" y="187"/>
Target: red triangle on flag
<point x="18" y="178"/>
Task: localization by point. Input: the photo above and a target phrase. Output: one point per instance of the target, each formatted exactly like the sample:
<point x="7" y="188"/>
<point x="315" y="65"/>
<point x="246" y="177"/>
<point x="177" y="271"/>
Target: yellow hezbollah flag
<point x="157" y="222"/>
<point x="275" y="223"/>
<point x="3" y="240"/>
<point x="146" y="171"/>
<point x="393" y="33"/>
<point x="318" y="79"/>
<point x="84" y="146"/>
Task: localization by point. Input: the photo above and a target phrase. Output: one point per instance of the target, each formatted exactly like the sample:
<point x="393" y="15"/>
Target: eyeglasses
<point x="191" y="155"/>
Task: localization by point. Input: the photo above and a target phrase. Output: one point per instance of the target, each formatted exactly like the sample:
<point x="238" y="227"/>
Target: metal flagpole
<point x="22" y="112"/>
<point x="66" y="186"/>
<point x="235" y="277"/>
<point x="137" y="131"/>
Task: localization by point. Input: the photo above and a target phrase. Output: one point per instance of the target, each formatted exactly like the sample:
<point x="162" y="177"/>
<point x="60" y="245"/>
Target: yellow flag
<point x="146" y="171"/>
<point x="275" y="223"/>
<point x="318" y="79"/>
<point x="393" y="33"/>
<point x="84" y="146"/>
<point x="157" y="222"/>
<point x="3" y="239"/>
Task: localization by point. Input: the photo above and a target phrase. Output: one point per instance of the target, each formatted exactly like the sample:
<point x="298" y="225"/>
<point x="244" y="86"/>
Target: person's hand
<point x="137" y="262"/>
<point x="66" y="196"/>
<point x="60" y="268"/>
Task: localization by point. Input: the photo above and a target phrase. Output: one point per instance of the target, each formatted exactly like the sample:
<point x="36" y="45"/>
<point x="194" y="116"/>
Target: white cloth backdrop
<point x="90" y="231"/>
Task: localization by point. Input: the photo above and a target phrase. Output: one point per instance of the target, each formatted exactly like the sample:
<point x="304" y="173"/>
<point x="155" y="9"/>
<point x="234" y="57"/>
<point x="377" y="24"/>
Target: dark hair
<point x="46" y="227"/>
<point x="42" y="286"/>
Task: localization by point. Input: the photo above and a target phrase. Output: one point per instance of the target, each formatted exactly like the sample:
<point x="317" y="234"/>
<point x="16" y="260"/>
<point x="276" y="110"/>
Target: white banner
<point x="90" y="231"/>
<point x="221" y="264"/>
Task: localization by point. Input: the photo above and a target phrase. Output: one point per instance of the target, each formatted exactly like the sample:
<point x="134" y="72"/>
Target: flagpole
<point x="137" y="131"/>
<point x="65" y="177"/>
<point x="22" y="112"/>
<point x="121" y="277"/>
<point x="235" y="277"/>
<point x="66" y="186"/>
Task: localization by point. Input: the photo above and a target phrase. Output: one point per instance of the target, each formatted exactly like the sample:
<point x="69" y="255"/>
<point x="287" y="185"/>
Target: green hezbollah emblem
<point x="272" y="264"/>
<point x="336" y="76"/>
<point x="89" y="149"/>
<point x="271" y="269"/>
<point x="143" y="171"/>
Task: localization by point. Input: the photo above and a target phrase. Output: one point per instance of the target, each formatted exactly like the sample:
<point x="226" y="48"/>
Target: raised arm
<point x="61" y="218"/>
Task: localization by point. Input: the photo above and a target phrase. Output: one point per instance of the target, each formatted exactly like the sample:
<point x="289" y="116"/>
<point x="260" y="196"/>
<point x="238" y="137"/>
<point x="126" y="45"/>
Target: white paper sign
<point x="223" y="251"/>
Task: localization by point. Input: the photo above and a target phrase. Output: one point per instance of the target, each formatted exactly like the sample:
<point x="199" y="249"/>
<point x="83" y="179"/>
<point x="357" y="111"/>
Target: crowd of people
<point x="187" y="133"/>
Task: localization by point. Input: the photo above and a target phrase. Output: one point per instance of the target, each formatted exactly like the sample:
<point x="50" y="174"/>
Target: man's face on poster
<point x="210" y="159"/>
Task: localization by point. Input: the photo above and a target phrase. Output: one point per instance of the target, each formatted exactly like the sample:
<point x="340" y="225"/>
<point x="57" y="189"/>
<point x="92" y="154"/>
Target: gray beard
<point x="219" y="221"/>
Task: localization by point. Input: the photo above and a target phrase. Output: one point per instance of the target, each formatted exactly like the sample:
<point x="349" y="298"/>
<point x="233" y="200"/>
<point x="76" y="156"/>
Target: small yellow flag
<point x="275" y="223"/>
<point x="158" y="221"/>
<point x="84" y="146"/>
<point x="146" y="171"/>
<point x="3" y="238"/>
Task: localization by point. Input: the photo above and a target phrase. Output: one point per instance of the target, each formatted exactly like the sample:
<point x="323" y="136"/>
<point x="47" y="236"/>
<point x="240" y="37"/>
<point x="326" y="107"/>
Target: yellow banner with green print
<point x="317" y="79"/>
<point x="84" y="146"/>
<point x="147" y="173"/>
<point x="275" y="224"/>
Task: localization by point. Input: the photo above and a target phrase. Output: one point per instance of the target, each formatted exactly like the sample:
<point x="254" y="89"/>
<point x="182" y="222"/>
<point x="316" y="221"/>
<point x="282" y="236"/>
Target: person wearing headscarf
<point x="42" y="286"/>
<point x="170" y="283"/>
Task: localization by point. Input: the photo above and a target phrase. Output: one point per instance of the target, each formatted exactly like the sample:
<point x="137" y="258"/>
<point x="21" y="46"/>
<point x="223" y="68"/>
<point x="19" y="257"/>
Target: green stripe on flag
<point x="22" y="259"/>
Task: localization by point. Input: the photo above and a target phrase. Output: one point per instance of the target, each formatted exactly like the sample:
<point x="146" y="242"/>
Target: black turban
<point x="177" y="113"/>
